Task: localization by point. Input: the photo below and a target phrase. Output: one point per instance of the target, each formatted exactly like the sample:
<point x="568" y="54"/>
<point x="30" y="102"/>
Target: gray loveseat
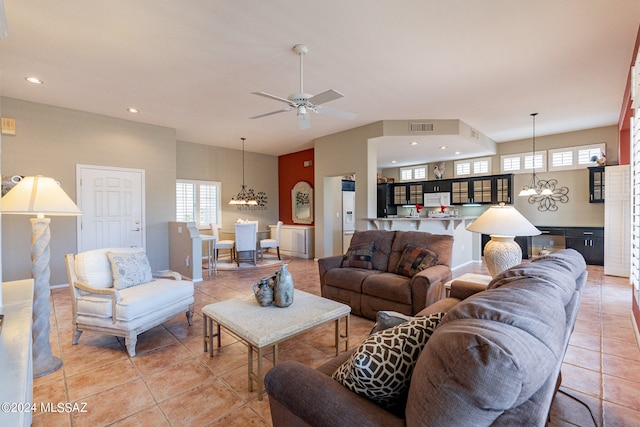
<point x="368" y="291"/>
<point x="494" y="359"/>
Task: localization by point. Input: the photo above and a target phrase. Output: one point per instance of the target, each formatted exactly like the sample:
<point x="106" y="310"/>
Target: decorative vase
<point x="283" y="287"/>
<point x="263" y="291"/>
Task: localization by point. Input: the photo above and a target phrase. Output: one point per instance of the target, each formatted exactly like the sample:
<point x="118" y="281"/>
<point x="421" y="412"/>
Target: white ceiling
<point x="193" y="65"/>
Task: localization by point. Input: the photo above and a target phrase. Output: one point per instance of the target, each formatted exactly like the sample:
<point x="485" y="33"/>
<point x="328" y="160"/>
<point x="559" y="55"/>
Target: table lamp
<point x="40" y="196"/>
<point x="502" y="223"/>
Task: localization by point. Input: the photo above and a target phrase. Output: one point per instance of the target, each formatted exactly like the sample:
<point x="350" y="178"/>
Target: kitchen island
<point x="466" y="245"/>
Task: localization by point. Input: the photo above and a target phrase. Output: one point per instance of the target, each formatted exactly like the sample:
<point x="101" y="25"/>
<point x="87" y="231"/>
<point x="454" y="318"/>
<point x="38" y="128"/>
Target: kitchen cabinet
<point x="407" y="193"/>
<point x="503" y="188"/>
<point x="589" y="241"/>
<point x="482" y="190"/>
<point x="596" y="184"/>
<point x="438" y="186"/>
<point x="384" y="203"/>
<point x="460" y="192"/>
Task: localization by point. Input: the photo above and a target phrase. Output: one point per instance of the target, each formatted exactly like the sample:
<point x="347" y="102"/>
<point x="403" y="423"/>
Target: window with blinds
<point x="472" y="167"/>
<point x="198" y="201"/>
<point x="412" y="173"/>
<point x="575" y="157"/>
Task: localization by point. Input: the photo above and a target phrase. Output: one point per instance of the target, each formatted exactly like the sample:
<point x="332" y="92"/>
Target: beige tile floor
<point x="172" y="382"/>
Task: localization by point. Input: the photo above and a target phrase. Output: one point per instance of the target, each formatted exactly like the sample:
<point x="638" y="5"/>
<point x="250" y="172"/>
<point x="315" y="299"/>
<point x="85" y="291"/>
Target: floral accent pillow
<point x="380" y="368"/>
<point x="415" y="259"/>
<point x="129" y="269"/>
<point x="359" y="256"/>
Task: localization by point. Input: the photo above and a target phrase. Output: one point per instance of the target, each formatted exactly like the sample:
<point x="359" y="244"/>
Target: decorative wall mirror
<point x="302" y="203"/>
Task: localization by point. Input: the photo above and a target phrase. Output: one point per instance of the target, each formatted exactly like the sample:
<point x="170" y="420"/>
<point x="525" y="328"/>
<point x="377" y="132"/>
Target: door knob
<point x="136" y="229"/>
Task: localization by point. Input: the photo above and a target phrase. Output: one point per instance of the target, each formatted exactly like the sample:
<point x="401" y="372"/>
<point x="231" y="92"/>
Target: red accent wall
<point x="291" y="170"/>
<point x="624" y="138"/>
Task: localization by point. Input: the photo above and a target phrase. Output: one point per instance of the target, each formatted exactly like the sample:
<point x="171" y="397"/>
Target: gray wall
<point x="204" y="162"/>
<point x="50" y="141"/>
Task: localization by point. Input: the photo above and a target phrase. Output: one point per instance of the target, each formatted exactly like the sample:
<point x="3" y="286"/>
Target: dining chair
<point x="246" y="241"/>
<point x="271" y="243"/>
<point x="221" y="244"/>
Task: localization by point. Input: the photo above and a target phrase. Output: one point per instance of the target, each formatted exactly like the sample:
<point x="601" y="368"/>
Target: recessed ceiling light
<point x="413" y="143"/>
<point x="34" y="80"/>
<point x="457" y="152"/>
<point x="444" y="147"/>
<point x="393" y="161"/>
<point x="133" y="110"/>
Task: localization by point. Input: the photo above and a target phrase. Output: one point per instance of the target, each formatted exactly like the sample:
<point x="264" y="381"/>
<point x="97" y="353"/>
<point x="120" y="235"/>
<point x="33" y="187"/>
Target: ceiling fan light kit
<point x="303" y="102"/>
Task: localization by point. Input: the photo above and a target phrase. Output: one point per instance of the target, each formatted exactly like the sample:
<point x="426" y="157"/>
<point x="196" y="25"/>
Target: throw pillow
<point x="129" y="269"/>
<point x="389" y="319"/>
<point x="380" y="369"/>
<point x="359" y="256"/>
<point x="415" y="259"/>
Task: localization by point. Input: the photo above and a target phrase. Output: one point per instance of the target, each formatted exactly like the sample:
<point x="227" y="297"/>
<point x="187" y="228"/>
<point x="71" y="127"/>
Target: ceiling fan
<point x="304" y="102"/>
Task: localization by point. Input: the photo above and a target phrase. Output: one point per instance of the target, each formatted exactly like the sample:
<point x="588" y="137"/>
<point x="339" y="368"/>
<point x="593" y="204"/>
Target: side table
<point x="468" y="277"/>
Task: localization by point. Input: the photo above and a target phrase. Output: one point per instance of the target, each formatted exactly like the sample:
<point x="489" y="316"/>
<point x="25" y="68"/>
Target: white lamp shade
<point x="38" y="195"/>
<point x="503" y="220"/>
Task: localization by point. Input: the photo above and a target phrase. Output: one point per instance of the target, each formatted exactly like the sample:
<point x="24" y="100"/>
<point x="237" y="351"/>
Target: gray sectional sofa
<point x="494" y="358"/>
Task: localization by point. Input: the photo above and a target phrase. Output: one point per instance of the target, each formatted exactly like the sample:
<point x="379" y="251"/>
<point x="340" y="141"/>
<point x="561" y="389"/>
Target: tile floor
<point x="172" y="382"/>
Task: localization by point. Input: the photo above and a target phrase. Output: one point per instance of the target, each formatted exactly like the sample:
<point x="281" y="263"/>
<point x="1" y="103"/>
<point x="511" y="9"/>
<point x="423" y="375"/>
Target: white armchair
<point x="246" y="241"/>
<point x="271" y="243"/>
<point x="135" y="301"/>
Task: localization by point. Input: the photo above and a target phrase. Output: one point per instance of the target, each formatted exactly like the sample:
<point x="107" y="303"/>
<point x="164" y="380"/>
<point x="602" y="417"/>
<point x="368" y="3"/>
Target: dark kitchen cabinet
<point x="596" y="184"/>
<point x="482" y="190"/>
<point x="589" y="241"/>
<point x="438" y="186"/>
<point x="409" y="193"/>
<point x="384" y="205"/>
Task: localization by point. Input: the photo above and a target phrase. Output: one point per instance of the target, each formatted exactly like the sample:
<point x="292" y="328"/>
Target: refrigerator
<point x="348" y="218"/>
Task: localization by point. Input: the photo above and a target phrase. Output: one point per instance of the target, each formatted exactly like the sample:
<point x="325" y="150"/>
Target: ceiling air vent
<point x="420" y="127"/>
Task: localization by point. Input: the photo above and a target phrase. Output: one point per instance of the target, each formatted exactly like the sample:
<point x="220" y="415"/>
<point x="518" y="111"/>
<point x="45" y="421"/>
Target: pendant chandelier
<point x="244" y="197"/>
<point x="535" y="186"/>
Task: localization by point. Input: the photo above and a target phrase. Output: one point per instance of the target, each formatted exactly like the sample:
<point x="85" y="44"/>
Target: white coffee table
<point x="261" y="327"/>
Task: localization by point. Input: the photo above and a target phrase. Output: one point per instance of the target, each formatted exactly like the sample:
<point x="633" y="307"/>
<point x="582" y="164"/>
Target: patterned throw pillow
<point x="380" y="369"/>
<point x="415" y="259"/>
<point x="129" y="269"/>
<point x="359" y="256"/>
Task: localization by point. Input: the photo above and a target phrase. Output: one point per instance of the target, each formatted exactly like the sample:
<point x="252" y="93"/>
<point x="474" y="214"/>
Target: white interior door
<point x="112" y="204"/>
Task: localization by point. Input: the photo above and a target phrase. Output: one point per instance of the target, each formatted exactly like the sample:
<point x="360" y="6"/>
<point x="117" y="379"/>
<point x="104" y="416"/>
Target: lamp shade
<point x="503" y="220"/>
<point x="38" y="195"/>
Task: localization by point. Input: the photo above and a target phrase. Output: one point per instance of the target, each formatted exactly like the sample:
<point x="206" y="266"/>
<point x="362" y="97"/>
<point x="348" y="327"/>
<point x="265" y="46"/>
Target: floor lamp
<point x="40" y="196"/>
<point x="503" y="223"/>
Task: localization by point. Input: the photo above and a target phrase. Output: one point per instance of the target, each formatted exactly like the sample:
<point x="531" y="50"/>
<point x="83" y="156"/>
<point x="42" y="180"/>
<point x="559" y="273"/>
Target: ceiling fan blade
<point x="284" y="110"/>
<point x="304" y="121"/>
<point x="341" y="114"/>
<point x="277" y="98"/>
<point x="323" y="97"/>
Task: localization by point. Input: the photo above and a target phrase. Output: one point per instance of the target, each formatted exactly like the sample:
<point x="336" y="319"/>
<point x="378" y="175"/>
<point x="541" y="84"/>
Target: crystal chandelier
<point x="244" y="197"/>
<point x="535" y="186"/>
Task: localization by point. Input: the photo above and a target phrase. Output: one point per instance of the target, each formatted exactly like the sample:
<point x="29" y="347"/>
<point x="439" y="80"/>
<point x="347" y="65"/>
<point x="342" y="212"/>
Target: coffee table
<point x="261" y="327"/>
